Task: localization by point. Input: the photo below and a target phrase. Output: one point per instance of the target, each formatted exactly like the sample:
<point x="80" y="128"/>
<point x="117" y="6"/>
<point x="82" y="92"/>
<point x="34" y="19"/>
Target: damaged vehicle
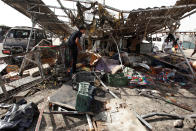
<point x="16" y="39"/>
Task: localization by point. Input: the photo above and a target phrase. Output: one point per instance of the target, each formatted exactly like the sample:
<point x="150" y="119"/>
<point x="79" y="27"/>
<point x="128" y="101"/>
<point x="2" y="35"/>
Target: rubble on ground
<point x="141" y="88"/>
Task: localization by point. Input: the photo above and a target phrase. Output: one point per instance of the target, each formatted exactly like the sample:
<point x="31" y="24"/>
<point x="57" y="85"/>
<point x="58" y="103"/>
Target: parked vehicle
<point x="16" y="39"/>
<point x="158" y="43"/>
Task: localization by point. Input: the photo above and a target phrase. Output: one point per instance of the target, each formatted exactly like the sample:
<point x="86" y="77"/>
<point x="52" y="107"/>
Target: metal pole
<point x="64" y="9"/>
<point x="91" y="128"/>
<point x="114" y="95"/>
<point x="3" y="87"/>
<point x="144" y="121"/>
<point x="118" y="51"/>
<point x="24" y="62"/>
<point x="31" y="33"/>
<point x="40" y="118"/>
<point x="192" y="71"/>
<point x="188" y="15"/>
<point x="37" y="59"/>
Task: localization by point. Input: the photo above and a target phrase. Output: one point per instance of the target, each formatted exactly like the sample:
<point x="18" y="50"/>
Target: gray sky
<point x="11" y="17"/>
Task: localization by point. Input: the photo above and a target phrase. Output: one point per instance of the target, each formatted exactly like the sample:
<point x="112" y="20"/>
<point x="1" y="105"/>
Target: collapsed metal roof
<point x="139" y="22"/>
<point x="43" y="15"/>
<point x="147" y="21"/>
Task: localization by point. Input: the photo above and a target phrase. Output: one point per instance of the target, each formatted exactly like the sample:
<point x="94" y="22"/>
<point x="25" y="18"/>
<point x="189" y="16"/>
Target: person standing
<point x="74" y="45"/>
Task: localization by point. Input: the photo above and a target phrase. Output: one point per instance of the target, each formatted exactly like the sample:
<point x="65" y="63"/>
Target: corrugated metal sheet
<point x="47" y="19"/>
<point x="146" y="21"/>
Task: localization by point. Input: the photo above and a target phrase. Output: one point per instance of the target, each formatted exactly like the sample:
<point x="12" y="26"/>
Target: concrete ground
<point x="188" y="53"/>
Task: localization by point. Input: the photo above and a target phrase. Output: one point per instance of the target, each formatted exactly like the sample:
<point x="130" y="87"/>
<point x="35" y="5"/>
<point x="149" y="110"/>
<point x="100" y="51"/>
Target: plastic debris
<point x="136" y="78"/>
<point x="19" y="117"/>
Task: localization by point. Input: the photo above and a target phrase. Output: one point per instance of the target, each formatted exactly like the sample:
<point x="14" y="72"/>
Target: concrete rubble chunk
<point x="178" y="123"/>
<point x="189" y="123"/>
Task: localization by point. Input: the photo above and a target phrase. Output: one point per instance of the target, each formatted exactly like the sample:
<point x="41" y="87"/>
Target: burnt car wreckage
<point x="86" y="101"/>
<point x="16" y="39"/>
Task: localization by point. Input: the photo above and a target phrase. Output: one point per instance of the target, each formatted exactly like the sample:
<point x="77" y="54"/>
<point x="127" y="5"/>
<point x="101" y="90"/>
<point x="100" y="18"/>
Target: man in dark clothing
<point x="74" y="44"/>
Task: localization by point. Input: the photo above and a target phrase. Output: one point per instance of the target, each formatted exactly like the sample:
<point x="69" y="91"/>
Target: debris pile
<point x="20" y="116"/>
<point x="94" y="92"/>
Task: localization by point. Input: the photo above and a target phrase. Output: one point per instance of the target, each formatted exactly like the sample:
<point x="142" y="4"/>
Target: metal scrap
<point x="150" y="94"/>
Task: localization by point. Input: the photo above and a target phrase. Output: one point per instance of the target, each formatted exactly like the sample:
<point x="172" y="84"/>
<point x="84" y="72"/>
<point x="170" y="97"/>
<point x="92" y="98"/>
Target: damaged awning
<point x="150" y="20"/>
<point x="140" y="22"/>
<point x="43" y="15"/>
